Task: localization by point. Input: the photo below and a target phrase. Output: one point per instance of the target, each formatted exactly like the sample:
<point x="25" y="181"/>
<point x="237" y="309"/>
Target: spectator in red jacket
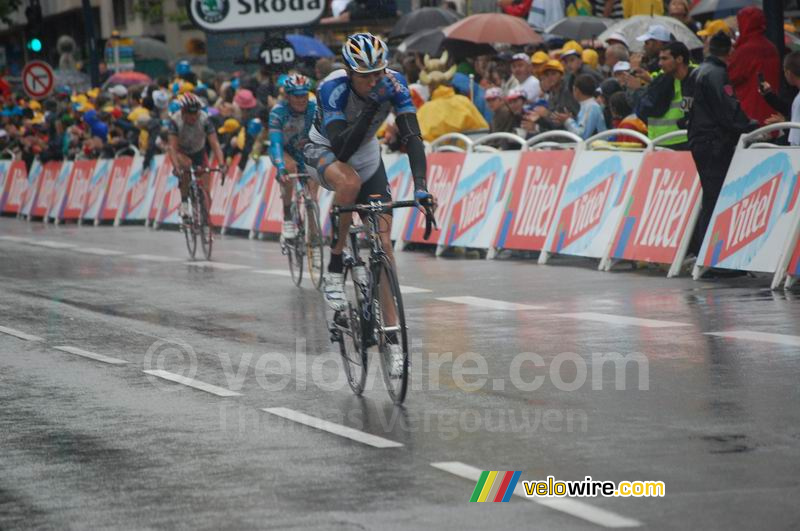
<point x="754" y="53"/>
<point x="517" y="8"/>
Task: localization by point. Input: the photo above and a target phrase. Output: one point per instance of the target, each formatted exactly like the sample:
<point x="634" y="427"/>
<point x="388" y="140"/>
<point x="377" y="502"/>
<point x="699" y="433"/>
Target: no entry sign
<point x="38" y="79"/>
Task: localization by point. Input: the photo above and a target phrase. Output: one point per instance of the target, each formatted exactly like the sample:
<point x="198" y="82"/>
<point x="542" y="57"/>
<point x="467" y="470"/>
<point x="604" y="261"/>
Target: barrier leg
<point x="790" y="281"/>
<point x="491" y="253"/>
<point x="698" y="271"/>
<point x="440" y="249"/>
<point x="399" y="245"/>
<point x="544" y="256"/>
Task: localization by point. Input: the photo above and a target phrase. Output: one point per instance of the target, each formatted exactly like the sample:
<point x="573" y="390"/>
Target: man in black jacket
<point x="716" y="121"/>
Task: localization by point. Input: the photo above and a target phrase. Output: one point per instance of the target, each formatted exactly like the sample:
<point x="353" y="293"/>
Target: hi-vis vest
<point x="658" y="126"/>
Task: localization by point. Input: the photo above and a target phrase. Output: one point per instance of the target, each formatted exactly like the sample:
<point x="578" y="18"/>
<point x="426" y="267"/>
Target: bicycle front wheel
<point x="390" y="330"/>
<point x="295" y="247"/>
<point x="351" y="346"/>
<point x="315" y="245"/>
<point x="203" y="223"/>
<point x="190" y="231"/>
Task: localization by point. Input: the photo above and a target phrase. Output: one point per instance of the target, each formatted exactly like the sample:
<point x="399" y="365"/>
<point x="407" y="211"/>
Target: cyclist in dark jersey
<point x="190" y="133"/>
<point x="344" y="154"/>
<point x="289" y="123"/>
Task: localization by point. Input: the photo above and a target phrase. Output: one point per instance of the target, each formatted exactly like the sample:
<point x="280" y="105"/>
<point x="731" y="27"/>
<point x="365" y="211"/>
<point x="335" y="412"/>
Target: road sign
<point x="277" y="54"/>
<point x="38" y="79"/>
<point x="227" y="15"/>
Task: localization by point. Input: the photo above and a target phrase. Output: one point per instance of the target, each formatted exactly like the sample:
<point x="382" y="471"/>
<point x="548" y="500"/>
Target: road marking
<point x="620" y="319"/>
<point x="279" y="272"/>
<point x="155" y="258"/>
<point x="19" y="335"/>
<point x="330" y="427"/>
<point x="191" y="382"/>
<point x="217" y="265"/>
<point x="569" y="506"/>
<point x="91" y="355"/>
<point x="51" y="244"/>
<point x="409" y="290"/>
<point x="15" y="239"/>
<point x="764" y="337"/>
<point x="98" y="251"/>
<point x="489" y="303"/>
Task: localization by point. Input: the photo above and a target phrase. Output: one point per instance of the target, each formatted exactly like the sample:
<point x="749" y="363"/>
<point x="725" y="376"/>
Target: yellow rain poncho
<point x="448" y="112"/>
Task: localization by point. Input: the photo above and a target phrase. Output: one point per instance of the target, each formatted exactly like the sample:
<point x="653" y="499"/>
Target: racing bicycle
<point x="374" y="314"/>
<point x="200" y="224"/>
<point x="308" y="244"/>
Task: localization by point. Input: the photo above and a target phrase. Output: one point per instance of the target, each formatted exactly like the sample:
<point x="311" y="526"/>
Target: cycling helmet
<point x="297" y="85"/>
<point x="183" y="68"/>
<point x="365" y="53"/>
<point x="190" y="103"/>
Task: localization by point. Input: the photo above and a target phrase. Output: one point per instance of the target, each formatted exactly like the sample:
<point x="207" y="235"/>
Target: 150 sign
<point x="277" y="54"/>
<point x="237" y="15"/>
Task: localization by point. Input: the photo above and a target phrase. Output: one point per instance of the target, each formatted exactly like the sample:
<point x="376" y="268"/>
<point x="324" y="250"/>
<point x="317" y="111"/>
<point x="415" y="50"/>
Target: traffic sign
<point x="277" y="54"/>
<point x="223" y="15"/>
<point x="38" y="79"/>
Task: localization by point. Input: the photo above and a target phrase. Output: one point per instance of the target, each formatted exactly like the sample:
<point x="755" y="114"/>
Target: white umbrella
<point x="636" y="26"/>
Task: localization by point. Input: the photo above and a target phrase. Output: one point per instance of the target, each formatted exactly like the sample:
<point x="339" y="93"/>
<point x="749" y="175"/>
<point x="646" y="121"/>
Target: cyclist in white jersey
<point x="344" y="154"/>
<point x="189" y="130"/>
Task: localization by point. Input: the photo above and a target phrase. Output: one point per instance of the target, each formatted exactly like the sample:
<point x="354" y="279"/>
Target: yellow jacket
<point x="642" y="7"/>
<point x="448" y="112"/>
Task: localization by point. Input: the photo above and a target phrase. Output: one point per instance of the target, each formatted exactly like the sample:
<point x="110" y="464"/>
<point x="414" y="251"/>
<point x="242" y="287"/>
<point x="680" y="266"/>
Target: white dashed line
<point x="91" y="355"/>
<point x="410" y="290"/>
<point x="218" y="265"/>
<point x="52" y="244"/>
<point x="278" y="272"/>
<point x="330" y="427"/>
<point x="575" y="508"/>
<point x="155" y="258"/>
<point x="620" y="319"/>
<point x="97" y="251"/>
<point x="19" y="335"/>
<point x="489" y="303"/>
<point x="190" y="382"/>
<point x="779" y="339"/>
<point x="15" y="239"/>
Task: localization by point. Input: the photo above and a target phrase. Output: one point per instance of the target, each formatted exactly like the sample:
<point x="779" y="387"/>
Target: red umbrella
<point x="129" y="78"/>
<point x="493" y="27"/>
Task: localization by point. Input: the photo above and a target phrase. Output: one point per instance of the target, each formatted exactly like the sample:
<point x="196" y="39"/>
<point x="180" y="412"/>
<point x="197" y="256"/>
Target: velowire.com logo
<point x="494" y="486"/>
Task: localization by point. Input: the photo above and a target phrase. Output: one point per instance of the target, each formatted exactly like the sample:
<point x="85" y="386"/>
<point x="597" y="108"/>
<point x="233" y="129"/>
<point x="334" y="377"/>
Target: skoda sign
<point x="236" y="15"/>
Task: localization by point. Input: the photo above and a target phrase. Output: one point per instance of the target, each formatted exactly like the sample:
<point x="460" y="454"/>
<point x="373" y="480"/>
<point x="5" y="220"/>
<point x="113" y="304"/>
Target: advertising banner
<point x="61" y="190"/>
<point x="444" y="170"/>
<point x="47" y="188"/>
<point x="479" y="200"/>
<point x="269" y="218"/>
<point x="139" y="191"/>
<point x="753" y="224"/>
<point x="592" y="204"/>
<point x="32" y="189"/>
<point x="535" y="193"/>
<point x="82" y="171"/>
<point x="221" y="195"/>
<point x="98" y="188"/>
<point x="398" y="171"/>
<point x="118" y="178"/>
<point x="15" y="181"/>
<point x="793" y="271"/>
<point x="244" y="202"/>
<point x="159" y="187"/>
<point x="661" y="212"/>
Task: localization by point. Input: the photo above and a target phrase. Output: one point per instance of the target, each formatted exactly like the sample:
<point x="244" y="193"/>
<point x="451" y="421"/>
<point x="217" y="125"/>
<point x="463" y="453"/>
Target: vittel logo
<point x="245" y="197"/>
<point x="117" y="186"/>
<point x="586" y="211"/>
<point x="80" y="183"/>
<point x="747" y="219"/>
<point x="538" y="200"/>
<point x="472" y="208"/>
<point x="665" y="209"/>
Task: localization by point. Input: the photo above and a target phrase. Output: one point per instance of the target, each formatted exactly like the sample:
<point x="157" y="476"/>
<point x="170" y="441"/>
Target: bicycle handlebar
<point x="379" y="207"/>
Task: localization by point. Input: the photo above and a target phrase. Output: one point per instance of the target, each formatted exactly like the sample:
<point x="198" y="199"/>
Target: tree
<point x="7" y="8"/>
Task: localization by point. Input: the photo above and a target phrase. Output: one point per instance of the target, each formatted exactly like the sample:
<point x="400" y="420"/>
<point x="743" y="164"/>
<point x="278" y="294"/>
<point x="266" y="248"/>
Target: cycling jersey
<point x="191" y="137"/>
<point x="288" y="131"/>
<point x="337" y="101"/>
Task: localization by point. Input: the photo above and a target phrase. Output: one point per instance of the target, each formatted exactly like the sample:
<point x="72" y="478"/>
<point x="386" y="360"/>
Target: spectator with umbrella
<point x="655" y="39"/>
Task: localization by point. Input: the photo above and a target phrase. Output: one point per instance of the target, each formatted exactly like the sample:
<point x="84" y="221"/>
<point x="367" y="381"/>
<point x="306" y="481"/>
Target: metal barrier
<point x="589" y="143"/>
<point x="754" y="138"/>
<point x="441" y="143"/>
<point x="669" y="136"/>
<point x="478" y="145"/>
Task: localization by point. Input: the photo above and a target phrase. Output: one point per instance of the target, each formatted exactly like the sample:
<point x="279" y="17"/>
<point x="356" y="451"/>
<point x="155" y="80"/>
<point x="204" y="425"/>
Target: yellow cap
<point x="540" y="58"/>
<point x="138" y="112"/>
<point x="572" y="45"/>
<point x="788" y="26"/>
<point x="553" y="64"/>
<point x="231" y="125"/>
<point x="185" y="87"/>
<point x="590" y="57"/>
<point x="93" y="93"/>
<point x="34" y="105"/>
<point x="713" y="27"/>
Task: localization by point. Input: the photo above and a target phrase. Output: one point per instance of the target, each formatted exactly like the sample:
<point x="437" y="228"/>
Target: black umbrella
<point x="433" y="42"/>
<point x="721" y="8"/>
<point x="579" y="28"/>
<point x="422" y="19"/>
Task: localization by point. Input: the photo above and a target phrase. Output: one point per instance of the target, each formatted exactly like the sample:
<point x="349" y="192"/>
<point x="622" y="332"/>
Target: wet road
<point x="141" y="391"/>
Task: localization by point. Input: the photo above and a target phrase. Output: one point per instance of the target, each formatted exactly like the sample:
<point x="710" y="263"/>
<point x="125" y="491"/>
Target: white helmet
<point x="365" y="53"/>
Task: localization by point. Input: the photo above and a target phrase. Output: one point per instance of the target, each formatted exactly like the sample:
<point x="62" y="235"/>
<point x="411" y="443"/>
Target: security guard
<point x="665" y="104"/>
<point x="716" y="121"/>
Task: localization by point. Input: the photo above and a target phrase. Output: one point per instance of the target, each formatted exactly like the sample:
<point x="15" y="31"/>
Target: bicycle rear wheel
<point x="315" y="245"/>
<point x="190" y="231"/>
<point x="388" y="298"/>
<point x="351" y="346"/>
<point x="204" y="224"/>
<point x="295" y="247"/>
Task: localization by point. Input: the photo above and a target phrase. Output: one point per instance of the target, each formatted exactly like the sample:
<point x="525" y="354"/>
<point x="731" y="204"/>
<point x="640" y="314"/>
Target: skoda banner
<point x="237" y="15"/>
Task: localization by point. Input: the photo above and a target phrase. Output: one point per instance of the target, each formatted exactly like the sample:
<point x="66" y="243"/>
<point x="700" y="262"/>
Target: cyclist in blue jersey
<point x="289" y="123"/>
<point x="344" y="155"/>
